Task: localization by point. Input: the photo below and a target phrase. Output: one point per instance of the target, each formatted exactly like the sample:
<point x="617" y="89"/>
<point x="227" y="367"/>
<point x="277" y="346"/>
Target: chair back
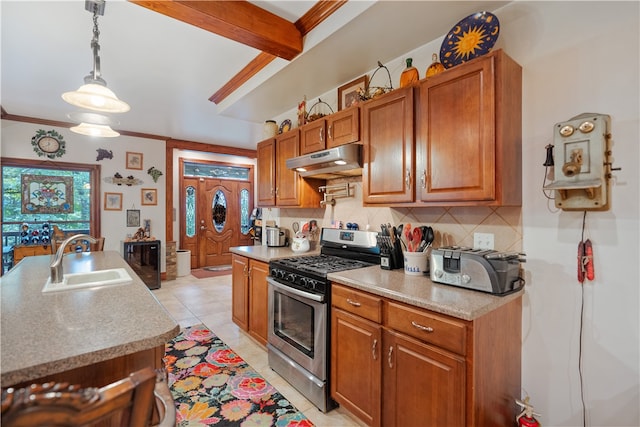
<point x="78" y="245"/>
<point x="140" y="400"/>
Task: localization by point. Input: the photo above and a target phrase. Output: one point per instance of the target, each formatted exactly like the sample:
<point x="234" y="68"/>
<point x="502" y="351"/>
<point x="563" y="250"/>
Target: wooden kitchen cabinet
<point x="355" y="365"/>
<point x="388" y="139"/>
<point x="258" y="300"/>
<point x="429" y="368"/>
<point x="249" y="307"/>
<point x="468" y="134"/>
<point x="240" y="291"/>
<point x="330" y="131"/>
<point x="279" y="186"/>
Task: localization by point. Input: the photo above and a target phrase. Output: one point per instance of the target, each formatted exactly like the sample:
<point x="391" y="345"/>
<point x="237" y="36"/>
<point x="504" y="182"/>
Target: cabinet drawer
<point x="356" y="302"/>
<point x="428" y="327"/>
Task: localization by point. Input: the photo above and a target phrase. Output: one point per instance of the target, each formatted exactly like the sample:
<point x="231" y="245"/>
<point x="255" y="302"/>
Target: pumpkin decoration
<point x="435" y="66"/>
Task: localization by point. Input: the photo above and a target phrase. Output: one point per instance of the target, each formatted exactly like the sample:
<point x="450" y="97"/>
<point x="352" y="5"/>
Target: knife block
<point x="390" y="253"/>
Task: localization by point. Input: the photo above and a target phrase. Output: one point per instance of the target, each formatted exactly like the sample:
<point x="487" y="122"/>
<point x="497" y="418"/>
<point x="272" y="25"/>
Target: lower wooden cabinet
<point x="397" y="365"/>
<point x="249" y="307"/>
<point x="423" y="385"/>
<point x="258" y="300"/>
<point x="355" y="365"/>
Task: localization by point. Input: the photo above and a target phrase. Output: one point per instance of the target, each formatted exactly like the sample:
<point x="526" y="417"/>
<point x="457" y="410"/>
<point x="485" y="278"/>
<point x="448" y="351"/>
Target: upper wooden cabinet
<point x="388" y="139"/>
<point x="330" y="131"/>
<point x="279" y="186"/>
<point x="468" y="134"/>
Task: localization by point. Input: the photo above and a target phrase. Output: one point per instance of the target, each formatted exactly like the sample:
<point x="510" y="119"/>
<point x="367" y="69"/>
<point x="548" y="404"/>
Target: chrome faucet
<point x="56" y="264"/>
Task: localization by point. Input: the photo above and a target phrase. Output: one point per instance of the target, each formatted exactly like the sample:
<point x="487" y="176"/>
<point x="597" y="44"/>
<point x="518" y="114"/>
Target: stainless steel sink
<point x="99" y="278"/>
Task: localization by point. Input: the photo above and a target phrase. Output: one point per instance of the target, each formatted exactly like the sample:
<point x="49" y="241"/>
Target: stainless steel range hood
<point x="344" y="160"/>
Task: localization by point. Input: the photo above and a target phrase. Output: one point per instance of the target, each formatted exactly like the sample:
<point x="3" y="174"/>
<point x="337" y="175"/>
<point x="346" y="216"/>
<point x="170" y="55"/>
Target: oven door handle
<point x="294" y="291"/>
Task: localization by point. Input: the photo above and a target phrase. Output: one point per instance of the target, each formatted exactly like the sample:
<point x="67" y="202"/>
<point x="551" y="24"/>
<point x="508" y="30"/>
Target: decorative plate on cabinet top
<point x="285" y="126"/>
<point x="470" y="38"/>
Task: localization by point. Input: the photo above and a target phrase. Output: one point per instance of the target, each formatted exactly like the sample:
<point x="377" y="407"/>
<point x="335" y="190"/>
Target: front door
<point x="215" y="217"/>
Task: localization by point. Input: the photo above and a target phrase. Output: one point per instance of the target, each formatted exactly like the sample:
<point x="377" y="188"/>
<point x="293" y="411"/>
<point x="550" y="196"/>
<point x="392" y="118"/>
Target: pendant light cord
<point x="584" y="409"/>
<point x="95" y="45"/>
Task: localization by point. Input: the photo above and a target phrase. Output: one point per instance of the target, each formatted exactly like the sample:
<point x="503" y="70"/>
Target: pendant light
<point x="93" y="124"/>
<point x="94" y="94"/>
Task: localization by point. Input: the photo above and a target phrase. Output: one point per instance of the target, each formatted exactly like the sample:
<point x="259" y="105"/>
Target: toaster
<point x="483" y="270"/>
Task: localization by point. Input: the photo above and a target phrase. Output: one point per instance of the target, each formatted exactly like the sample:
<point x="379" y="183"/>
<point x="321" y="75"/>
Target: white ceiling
<point x="166" y="70"/>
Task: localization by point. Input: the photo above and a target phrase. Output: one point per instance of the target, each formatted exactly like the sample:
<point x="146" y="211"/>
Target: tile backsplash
<point x="452" y="225"/>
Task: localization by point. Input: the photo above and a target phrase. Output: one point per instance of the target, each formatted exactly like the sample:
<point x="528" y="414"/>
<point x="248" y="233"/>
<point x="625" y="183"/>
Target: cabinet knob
<point x="321" y="134"/>
<point x="423" y="179"/>
<point x="353" y="303"/>
<point x="374" y="353"/>
<point x="329" y="132"/>
<point x="408" y="178"/>
<point x="389" y="359"/>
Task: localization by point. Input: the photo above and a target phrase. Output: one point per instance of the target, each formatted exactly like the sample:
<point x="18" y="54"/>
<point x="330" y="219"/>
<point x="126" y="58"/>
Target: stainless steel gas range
<point x="299" y="309"/>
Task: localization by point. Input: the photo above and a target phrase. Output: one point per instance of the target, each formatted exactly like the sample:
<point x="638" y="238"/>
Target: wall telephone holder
<point x="582" y="165"/>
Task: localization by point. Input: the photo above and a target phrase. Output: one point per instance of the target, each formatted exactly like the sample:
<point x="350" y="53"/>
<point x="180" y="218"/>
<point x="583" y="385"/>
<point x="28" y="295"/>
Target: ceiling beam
<point x="314" y="16"/>
<point x="240" y="21"/>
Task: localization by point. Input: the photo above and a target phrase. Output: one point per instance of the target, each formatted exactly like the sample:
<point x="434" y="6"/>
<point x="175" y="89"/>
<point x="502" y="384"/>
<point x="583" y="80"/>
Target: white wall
<point x="577" y="57"/>
<point x="16" y="143"/>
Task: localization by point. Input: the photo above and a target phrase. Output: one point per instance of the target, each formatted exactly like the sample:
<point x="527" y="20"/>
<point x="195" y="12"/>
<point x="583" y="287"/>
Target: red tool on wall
<point x="585" y="261"/>
<point x="526" y="417"/>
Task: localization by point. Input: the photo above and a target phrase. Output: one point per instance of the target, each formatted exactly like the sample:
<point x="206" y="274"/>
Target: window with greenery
<point x="59" y="194"/>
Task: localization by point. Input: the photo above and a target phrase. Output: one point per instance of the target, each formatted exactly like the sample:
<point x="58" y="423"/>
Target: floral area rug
<point x="213" y="386"/>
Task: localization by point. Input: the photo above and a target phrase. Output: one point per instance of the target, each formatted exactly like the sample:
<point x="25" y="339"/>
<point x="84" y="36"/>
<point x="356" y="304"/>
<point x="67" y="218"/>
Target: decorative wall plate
<point x="285" y="126"/>
<point x="470" y="38"/>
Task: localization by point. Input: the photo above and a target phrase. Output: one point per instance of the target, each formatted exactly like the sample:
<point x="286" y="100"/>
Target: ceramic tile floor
<point x="191" y="301"/>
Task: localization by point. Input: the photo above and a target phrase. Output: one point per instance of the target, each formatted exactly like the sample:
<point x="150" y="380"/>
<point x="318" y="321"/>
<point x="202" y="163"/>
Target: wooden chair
<point x="80" y="245"/>
<point x="143" y="399"/>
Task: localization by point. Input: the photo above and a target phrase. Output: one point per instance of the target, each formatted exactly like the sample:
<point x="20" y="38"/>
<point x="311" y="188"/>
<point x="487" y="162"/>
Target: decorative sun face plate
<point x="474" y="36"/>
<point x="48" y="143"/>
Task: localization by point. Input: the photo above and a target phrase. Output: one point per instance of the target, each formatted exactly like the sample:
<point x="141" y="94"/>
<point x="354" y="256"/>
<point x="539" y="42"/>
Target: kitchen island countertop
<point x="49" y="333"/>
<point x="420" y="291"/>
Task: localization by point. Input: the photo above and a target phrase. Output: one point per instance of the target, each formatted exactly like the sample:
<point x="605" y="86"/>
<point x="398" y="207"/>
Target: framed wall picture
<point x="149" y="196"/>
<point x="134" y="160"/>
<point x="348" y="94"/>
<point x="133" y="218"/>
<point x="112" y="201"/>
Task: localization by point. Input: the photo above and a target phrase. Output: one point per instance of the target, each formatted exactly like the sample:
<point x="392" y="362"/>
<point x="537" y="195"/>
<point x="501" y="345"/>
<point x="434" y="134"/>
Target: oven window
<point x="293" y="321"/>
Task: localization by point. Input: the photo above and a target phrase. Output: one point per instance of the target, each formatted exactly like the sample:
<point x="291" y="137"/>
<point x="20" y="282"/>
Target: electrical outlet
<point x="483" y="240"/>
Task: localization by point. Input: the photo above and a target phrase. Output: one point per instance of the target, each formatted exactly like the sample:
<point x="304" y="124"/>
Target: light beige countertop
<point x="266" y="253"/>
<point x="420" y="291"/>
<point x="49" y="333"/>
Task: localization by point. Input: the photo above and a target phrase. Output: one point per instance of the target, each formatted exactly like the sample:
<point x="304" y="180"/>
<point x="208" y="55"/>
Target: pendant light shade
<point x="91" y="129"/>
<point x="94" y="94"/>
<point x="96" y="97"/>
<point x="93" y="124"/>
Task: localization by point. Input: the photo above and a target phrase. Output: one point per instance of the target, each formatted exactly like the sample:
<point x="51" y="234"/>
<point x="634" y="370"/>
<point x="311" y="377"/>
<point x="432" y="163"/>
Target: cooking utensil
<point x="296" y="227"/>
<point x="416" y="238"/>
<point x="407" y="235"/>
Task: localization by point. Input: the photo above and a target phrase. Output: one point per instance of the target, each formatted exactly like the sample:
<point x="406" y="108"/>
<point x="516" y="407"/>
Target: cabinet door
<point x="287" y="181"/>
<point x="313" y="137"/>
<point x="424" y="385"/>
<point x="266" y="165"/>
<point x="258" y="300"/>
<point x="355" y="365"/>
<point x="343" y="127"/>
<point x="240" y="291"/>
<point x="388" y="138"/>
<point x="456" y="134"/>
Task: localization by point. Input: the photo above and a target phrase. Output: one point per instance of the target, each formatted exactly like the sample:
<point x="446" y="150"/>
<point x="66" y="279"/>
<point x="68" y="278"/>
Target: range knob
<point x="290" y="278"/>
<point x="305" y="282"/>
